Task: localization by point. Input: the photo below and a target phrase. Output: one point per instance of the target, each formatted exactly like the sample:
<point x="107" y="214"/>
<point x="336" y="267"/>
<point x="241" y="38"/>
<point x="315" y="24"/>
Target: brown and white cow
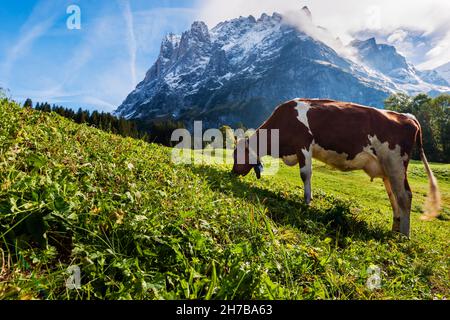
<point x="347" y="136"/>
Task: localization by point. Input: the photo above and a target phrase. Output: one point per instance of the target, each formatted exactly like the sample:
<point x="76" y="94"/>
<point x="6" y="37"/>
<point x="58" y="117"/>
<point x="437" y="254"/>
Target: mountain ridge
<point x="238" y="71"/>
<point x="444" y="71"/>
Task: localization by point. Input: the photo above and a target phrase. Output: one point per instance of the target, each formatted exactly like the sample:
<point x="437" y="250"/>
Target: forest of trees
<point x="158" y="132"/>
<point x="434" y="117"/>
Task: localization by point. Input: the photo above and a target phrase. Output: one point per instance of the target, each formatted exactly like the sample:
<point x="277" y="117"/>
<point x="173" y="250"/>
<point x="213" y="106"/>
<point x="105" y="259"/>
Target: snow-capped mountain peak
<point x="238" y="71"/>
<point x="444" y="71"/>
<point x="385" y="59"/>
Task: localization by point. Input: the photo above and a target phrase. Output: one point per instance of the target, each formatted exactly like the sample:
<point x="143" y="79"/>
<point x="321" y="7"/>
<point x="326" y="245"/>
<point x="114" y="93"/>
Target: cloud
<point x="131" y="39"/>
<point x="398" y="36"/>
<point x="94" y="49"/>
<point x="59" y="96"/>
<point x="304" y="22"/>
<point x="26" y="40"/>
<point x="119" y="39"/>
<point x="107" y="57"/>
<point x="344" y="18"/>
<point x="438" y="55"/>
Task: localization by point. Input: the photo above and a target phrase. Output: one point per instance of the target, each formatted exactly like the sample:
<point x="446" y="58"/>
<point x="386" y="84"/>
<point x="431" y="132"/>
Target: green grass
<point x="140" y="227"/>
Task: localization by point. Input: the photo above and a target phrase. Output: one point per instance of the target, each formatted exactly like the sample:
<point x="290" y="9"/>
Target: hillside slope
<point x="141" y="228"/>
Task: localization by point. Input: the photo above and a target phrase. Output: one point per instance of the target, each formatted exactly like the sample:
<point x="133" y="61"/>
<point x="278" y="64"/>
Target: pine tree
<point x="28" y="103"/>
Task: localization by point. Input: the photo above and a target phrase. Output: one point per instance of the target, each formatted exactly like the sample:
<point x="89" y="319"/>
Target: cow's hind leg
<point x="405" y="200"/>
<point x="305" y="162"/>
<point x="396" y="223"/>
<point x="402" y="192"/>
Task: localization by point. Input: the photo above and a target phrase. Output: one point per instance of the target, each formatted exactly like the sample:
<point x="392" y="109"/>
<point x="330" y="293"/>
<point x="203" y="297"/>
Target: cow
<point x="346" y="136"/>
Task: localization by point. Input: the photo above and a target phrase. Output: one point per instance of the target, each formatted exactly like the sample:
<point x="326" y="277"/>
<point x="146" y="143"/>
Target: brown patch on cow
<point x="345" y="127"/>
<point x="342" y="127"/>
<point x="294" y="136"/>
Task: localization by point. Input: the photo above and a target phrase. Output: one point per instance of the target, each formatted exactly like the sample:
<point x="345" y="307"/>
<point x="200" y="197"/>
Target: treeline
<point x="434" y="117"/>
<point x="101" y="120"/>
<point x="432" y="113"/>
<point x="157" y="132"/>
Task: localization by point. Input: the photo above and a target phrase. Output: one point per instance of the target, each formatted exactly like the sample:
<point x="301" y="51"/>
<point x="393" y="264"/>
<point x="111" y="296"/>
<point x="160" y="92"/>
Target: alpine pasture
<point x="140" y="227"/>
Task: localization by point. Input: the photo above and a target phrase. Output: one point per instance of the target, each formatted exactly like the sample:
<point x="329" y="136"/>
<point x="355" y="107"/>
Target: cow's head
<point x="246" y="159"/>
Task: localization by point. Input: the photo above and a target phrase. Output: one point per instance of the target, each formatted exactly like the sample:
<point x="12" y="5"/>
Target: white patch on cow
<point x="302" y="110"/>
<point x="372" y="163"/>
<point x="291" y="160"/>
<point x="331" y="157"/>
<point x="394" y="168"/>
<point x="365" y="160"/>
<point x="411" y="116"/>
<point x="372" y="166"/>
<point x="391" y="158"/>
<point x="308" y="156"/>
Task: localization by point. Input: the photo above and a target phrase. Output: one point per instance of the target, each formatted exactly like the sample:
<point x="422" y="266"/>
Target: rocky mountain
<point x="241" y="69"/>
<point x="444" y="71"/>
<point x="385" y="59"/>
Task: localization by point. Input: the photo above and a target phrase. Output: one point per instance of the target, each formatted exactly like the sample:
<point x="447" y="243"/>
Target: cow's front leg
<point x="305" y="162"/>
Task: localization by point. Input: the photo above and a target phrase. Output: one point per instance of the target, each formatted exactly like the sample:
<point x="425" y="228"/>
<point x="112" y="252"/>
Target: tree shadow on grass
<point x="335" y="220"/>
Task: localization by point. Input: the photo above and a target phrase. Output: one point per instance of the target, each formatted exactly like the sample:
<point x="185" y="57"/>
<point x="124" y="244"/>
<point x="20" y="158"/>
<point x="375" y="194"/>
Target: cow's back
<point x="348" y="128"/>
<point x="340" y="127"/>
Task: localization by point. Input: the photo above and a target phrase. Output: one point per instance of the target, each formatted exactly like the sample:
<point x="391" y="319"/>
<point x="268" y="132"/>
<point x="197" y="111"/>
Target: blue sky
<point x="94" y="67"/>
<point x="97" y="66"/>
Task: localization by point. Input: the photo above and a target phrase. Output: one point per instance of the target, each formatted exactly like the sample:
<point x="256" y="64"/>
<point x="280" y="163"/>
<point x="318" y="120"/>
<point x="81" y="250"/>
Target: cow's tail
<point x="433" y="202"/>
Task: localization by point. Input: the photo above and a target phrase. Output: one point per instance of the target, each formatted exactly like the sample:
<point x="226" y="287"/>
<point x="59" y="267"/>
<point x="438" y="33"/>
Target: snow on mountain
<point x="444" y="71"/>
<point x="238" y="71"/>
<point x="410" y="43"/>
<point x="434" y="77"/>
<point x="385" y="59"/>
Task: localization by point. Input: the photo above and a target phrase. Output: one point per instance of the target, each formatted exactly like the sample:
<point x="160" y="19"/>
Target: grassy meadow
<point x="140" y="227"/>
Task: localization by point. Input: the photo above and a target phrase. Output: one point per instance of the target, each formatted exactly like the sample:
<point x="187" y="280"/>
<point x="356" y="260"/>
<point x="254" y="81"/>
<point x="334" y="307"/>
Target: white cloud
<point x="438" y="55"/>
<point x="345" y="17"/>
<point x="117" y="38"/>
<point x="77" y="79"/>
<point x="26" y="40"/>
<point x="58" y="96"/>
<point x="306" y="24"/>
<point x="398" y="36"/>
<point x="131" y="35"/>
<point x="131" y="38"/>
